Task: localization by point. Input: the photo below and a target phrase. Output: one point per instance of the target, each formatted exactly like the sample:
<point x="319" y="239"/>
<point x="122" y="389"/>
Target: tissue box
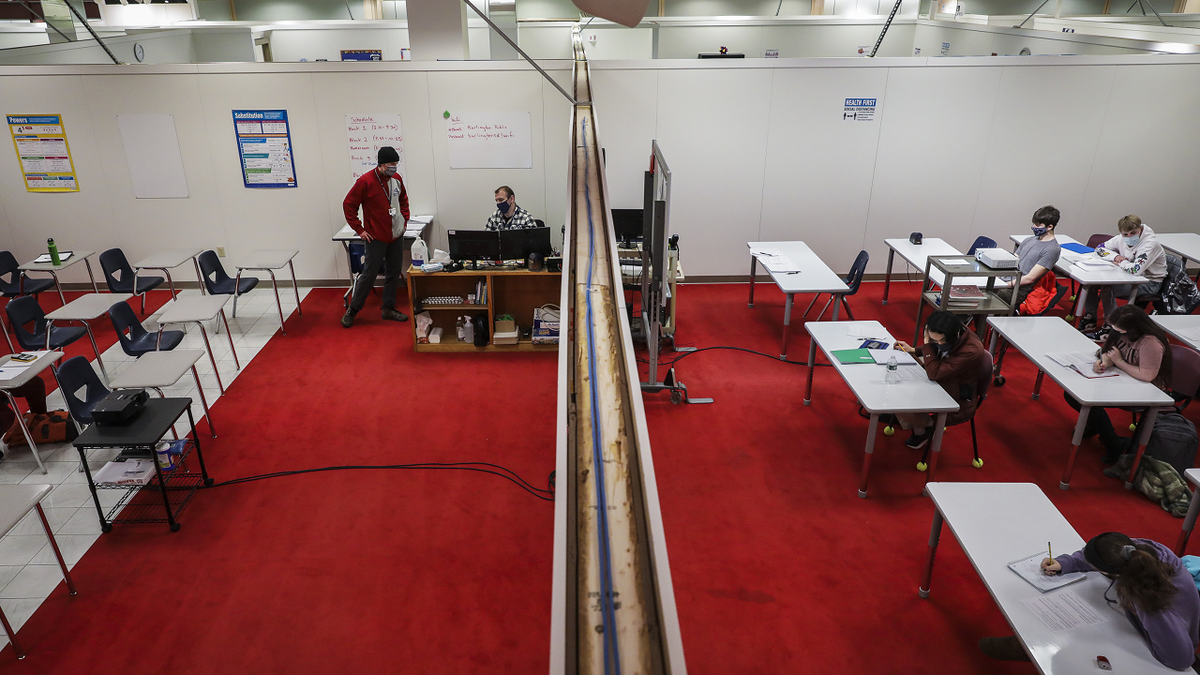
<point x="544" y="332"/>
<point x="506" y="333"/>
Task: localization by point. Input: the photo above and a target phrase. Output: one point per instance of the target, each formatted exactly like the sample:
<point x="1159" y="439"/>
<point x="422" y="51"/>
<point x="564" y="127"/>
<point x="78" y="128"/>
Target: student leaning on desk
<point x="1036" y="256"/>
<point x="1136" y="250"/>
<point x="952" y="356"/>
<point x="1156" y="591"/>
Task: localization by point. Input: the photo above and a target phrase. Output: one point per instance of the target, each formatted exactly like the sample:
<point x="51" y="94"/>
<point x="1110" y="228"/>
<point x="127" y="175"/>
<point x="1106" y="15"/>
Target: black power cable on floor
<point x="684" y="355"/>
<point x="507" y="474"/>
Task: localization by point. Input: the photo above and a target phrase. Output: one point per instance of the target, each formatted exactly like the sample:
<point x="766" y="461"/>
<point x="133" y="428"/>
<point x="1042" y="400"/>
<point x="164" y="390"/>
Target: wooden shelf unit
<point x="510" y="291"/>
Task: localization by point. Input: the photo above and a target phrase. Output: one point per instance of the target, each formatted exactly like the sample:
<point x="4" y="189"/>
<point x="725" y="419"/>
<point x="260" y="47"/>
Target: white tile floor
<point x="28" y="569"/>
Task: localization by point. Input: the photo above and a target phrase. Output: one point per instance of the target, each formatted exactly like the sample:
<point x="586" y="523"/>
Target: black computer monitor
<point x="474" y="244"/>
<point x="518" y="244"/>
<point x="627" y="223"/>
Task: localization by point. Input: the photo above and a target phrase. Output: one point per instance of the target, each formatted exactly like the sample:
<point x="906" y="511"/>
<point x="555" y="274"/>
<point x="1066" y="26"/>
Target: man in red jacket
<point x="384" y="203"/>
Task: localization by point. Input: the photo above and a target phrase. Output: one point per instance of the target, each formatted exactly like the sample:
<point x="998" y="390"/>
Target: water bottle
<point x="419" y="252"/>
<point x="892" y="376"/>
<point x="458" y="328"/>
<point x="53" y="248"/>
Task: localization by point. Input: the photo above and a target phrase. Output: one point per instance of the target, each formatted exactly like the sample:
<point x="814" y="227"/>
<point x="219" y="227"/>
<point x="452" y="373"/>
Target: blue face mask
<point x="1039" y="231"/>
<point x="1133" y="241"/>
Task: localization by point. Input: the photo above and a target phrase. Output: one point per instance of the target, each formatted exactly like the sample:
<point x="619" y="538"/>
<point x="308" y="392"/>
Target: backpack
<point x="1156" y="479"/>
<point x="1179" y="294"/>
<point x="481" y="330"/>
<point x="1039" y="298"/>
<point x="53" y="427"/>
<point x="1173" y="441"/>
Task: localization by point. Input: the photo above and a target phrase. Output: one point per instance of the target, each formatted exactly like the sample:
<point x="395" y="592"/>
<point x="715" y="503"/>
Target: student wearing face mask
<point x="384" y="201"/>
<point x="1137" y="251"/>
<point x="1036" y="255"/>
<point x="508" y="215"/>
<point x="1152" y="587"/>
<point x="952" y="357"/>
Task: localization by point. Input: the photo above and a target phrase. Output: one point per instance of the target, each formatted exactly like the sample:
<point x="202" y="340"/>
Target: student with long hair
<point x="1137" y="346"/>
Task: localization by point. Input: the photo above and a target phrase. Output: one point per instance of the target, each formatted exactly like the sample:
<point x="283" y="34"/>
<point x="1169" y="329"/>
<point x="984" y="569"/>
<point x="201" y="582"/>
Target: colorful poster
<point x="41" y="144"/>
<point x="365" y="134"/>
<point x="265" y="146"/>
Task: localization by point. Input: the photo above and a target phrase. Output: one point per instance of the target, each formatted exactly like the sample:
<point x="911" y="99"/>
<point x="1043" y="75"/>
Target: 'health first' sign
<point x="859" y="110"/>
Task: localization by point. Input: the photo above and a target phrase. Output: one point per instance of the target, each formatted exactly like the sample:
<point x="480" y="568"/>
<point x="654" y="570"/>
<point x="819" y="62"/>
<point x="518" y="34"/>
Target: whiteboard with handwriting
<point x="365" y="134"/>
<point x="489" y="140"/>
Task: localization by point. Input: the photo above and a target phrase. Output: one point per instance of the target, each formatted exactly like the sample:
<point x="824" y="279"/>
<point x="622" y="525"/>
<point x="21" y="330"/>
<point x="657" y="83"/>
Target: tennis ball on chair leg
<point x="889" y="430"/>
<point x="922" y="466"/>
<point x="1132" y="426"/>
<point x="977" y="463"/>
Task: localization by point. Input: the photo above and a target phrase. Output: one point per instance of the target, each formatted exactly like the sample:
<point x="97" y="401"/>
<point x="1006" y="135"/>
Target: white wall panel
<point x="626" y="129"/>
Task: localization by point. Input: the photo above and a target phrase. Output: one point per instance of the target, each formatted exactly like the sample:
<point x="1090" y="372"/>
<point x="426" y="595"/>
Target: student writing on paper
<point x="1152" y="586"/>
<point x="1137" y="346"/>
<point x="509" y="216"/>
<point x="952" y="356"/>
<point x="34" y="393"/>
<point x="1136" y="250"/>
<point x="1036" y="256"/>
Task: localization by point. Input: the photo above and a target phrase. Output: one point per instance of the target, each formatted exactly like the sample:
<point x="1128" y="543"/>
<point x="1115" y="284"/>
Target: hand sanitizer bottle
<point x="458" y="327"/>
<point x="469" y="330"/>
<point x="892" y="376"/>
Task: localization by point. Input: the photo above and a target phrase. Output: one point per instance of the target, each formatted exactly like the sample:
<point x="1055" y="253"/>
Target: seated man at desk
<point x="508" y="215"/>
<point x="1136" y="250"/>
<point x="1036" y="255"/>
<point x="952" y="356"/>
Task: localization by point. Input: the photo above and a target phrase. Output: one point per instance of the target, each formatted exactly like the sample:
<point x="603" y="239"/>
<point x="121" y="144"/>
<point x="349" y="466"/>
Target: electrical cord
<point x="736" y="349"/>
<point x="503" y="472"/>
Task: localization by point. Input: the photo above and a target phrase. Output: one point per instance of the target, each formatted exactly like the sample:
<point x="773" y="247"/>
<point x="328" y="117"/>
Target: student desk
<point x="1182" y="327"/>
<point x="15" y="502"/>
<point x="167" y="261"/>
<point x="197" y="309"/>
<point x="1037" y="336"/>
<point x="997" y="523"/>
<point x="155" y="370"/>
<point x="916" y="255"/>
<point x="1186" y="245"/>
<point x="814" y="276"/>
<point x="1086" y="278"/>
<point x="877" y="397"/>
<point x="418" y="228"/>
<point x="53" y="270"/>
<point x="269" y="260"/>
<point x="6" y="386"/>
<point x="1189" y="521"/>
<point x="84" y="309"/>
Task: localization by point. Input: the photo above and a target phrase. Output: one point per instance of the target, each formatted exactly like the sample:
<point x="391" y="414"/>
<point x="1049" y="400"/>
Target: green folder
<point x="850" y="356"/>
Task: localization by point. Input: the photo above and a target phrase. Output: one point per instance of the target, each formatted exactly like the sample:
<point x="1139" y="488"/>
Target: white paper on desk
<point x="45" y="257"/>
<point x="912" y="375"/>
<point x="768" y="252"/>
<point x="1191" y="334"/>
<point x="1090" y="263"/>
<point x="8" y="372"/>
<point x="881" y="357"/>
<point x="860" y="331"/>
<point x="957" y="262"/>
<point x="779" y="264"/>
<point x="1064" y="611"/>
<point x="1069" y="359"/>
<point x="1030" y="569"/>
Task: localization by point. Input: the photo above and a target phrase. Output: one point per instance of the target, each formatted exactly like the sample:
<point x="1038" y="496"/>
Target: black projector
<point x="119" y="406"/>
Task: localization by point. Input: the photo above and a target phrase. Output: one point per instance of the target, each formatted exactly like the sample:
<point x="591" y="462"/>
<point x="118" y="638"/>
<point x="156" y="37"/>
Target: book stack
<point x="965" y="296"/>
<point x="506" y="333"/>
<point x="481" y="292"/>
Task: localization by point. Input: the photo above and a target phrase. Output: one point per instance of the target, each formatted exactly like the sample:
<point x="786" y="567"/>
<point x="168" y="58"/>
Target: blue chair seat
<point x="144" y="344"/>
<point x="73" y="375"/>
<point x="32" y="287"/>
<point x="225" y="286"/>
<point x="25" y="311"/>
<point x="60" y="336"/>
<point x="135" y="339"/>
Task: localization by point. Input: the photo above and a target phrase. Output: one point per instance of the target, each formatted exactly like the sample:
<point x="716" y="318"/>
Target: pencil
<point x="1049" y="551"/>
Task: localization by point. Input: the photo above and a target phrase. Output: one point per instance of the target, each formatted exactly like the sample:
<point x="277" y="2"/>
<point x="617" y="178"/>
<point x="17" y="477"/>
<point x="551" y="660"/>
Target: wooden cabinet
<point x="515" y="292"/>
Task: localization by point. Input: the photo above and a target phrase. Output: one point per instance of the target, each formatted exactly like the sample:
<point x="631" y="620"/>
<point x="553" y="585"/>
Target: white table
<point x="1186" y="245"/>
<point x="1037" y="336"/>
<point x="155" y="370"/>
<point x="997" y="523"/>
<point x="270" y="260"/>
<point x="1182" y="327"/>
<point x="84" y="309"/>
<point x="1111" y="276"/>
<point x="6" y="386"/>
<point x="916" y="255"/>
<point x="167" y="261"/>
<point x="418" y="227"/>
<point x="877" y="397"/>
<point x="814" y="277"/>
<point x="1189" y="521"/>
<point x="197" y="309"/>
<point x="15" y="502"/>
<point x="53" y="270"/>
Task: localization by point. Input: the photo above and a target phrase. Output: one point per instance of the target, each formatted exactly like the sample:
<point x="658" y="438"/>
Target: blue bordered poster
<point x="265" y="145"/>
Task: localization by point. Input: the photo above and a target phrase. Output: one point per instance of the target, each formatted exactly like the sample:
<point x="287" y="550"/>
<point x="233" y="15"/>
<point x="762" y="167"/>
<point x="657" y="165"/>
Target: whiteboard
<point x="489" y="140"/>
<point x="365" y="134"/>
<point x="152" y="152"/>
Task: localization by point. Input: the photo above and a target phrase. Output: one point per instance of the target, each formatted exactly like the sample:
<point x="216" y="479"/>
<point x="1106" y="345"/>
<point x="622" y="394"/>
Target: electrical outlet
<point x="220" y="251"/>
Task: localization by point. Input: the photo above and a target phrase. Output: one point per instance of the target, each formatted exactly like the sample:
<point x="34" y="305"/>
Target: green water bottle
<point x="54" y="259"/>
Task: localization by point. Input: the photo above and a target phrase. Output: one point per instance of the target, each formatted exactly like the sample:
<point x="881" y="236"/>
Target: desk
<point x="1113" y="276"/>
<point x="1186" y="245"/>
<point x="973" y="272"/>
<point x="1189" y="521"/>
<point x="1182" y="327"/>
<point x="33" y="370"/>
<point x="84" y="309"/>
<point x="53" y="270"/>
<point x="1036" y="336"/>
<point x="917" y="255"/>
<point x="197" y="310"/>
<point x="155" y="370"/>
<point x="141" y="434"/>
<point x="15" y="502"/>
<point x="997" y="523"/>
<point x="418" y="227"/>
<point x="167" y="261"/>
<point x="866" y="381"/>
<point x="269" y="260"/>
<point x="814" y="277"/>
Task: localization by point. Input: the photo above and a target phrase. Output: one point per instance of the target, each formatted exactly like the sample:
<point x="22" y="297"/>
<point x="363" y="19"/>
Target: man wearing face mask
<point x="508" y="215"/>
<point x="384" y="201"/>
<point x="1137" y="251"/>
<point x="1036" y="255"/>
<point x="952" y="357"/>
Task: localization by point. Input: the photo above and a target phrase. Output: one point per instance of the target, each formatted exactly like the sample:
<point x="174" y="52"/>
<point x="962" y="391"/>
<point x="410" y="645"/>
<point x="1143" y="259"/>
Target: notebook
<point x="1077" y="248"/>
<point x="1030" y="569"/>
<point x="852" y="356"/>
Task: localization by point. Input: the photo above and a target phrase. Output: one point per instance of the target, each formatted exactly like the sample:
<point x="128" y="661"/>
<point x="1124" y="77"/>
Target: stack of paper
<point x="774" y="260"/>
<point x="1090" y="263"/>
<point x="1082" y="364"/>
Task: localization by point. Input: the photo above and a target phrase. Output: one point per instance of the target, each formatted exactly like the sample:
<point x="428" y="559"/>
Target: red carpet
<point x="778" y="566"/>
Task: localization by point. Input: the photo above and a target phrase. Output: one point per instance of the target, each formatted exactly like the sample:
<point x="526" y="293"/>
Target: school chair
<point x="26" y="310"/>
<point x="119" y="276"/>
<point x="135" y="339"/>
<point x="13" y="284"/>
<point x="853" y="280"/>
<point x="981" y="242"/>
<point x="218" y="282"/>
<point x="982" y="380"/>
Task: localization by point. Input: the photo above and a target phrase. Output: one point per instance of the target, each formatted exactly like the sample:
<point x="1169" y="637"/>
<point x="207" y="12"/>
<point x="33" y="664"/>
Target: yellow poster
<point x="41" y="144"/>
